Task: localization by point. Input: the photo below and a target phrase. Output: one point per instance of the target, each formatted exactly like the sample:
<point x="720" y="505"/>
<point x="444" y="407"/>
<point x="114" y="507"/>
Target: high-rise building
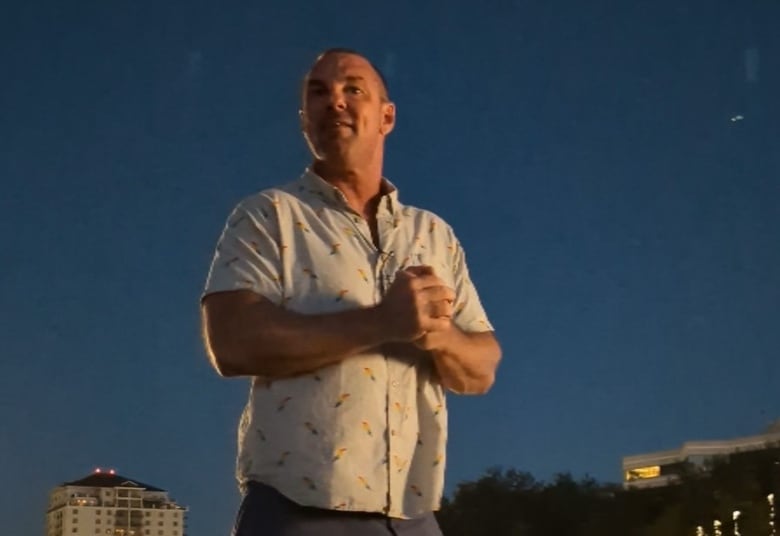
<point x="662" y="468"/>
<point x="107" y="504"/>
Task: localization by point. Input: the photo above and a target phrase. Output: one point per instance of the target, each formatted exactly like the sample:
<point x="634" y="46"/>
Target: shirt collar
<point x="314" y="184"/>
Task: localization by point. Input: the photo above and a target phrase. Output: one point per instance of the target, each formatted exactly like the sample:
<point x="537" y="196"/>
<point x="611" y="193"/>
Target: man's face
<point x="345" y="114"/>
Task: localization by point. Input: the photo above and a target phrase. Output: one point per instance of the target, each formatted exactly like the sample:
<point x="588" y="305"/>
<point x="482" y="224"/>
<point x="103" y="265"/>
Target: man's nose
<point x="337" y="100"/>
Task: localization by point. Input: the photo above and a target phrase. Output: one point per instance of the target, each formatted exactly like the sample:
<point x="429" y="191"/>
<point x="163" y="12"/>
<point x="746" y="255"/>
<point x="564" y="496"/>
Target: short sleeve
<point x="248" y="252"/>
<point x="469" y="315"/>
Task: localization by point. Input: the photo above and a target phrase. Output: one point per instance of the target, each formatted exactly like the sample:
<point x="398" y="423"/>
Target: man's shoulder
<point x="426" y="216"/>
<point x="273" y="195"/>
<point x="419" y="212"/>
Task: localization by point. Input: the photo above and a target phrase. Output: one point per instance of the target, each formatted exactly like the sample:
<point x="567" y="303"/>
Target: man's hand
<point x="465" y="362"/>
<point x="417" y="303"/>
<point x="435" y="340"/>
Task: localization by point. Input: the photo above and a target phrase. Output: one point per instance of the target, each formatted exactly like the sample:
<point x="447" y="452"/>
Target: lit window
<point x="641" y="473"/>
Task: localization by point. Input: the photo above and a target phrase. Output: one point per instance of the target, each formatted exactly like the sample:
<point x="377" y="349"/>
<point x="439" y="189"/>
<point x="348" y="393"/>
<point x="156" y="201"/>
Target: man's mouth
<point x="338" y="124"/>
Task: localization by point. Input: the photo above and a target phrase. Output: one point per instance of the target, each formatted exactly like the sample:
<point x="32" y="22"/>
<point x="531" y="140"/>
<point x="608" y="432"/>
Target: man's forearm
<point x="262" y="339"/>
<point x="467" y="362"/>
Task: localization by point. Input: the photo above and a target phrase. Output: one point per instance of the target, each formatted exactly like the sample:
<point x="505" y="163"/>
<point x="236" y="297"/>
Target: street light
<point x="771" y="500"/>
<point x="735" y="517"/>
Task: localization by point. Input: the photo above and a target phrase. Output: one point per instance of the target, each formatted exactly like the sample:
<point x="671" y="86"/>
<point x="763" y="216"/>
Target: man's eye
<point x="354" y="89"/>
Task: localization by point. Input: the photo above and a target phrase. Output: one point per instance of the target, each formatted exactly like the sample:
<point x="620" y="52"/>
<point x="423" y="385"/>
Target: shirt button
<point x="395" y="384"/>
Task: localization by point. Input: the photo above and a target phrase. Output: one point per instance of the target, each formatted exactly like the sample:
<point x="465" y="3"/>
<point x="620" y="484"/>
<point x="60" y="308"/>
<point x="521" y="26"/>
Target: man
<point x="351" y="313"/>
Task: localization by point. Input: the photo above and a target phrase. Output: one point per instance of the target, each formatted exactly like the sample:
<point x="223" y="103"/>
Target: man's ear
<point x="388" y="118"/>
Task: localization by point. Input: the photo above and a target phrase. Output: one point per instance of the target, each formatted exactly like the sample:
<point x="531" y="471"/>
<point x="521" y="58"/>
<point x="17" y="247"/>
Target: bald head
<point x="379" y="77"/>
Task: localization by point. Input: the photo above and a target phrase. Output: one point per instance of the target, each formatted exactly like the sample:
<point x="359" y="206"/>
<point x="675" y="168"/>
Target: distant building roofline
<point x="100" y="479"/>
<point x="702" y="448"/>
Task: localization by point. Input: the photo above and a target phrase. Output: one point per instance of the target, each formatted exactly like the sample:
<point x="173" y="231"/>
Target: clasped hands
<point x="419" y="307"/>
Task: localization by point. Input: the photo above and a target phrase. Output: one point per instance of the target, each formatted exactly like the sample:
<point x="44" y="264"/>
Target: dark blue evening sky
<point x="622" y="229"/>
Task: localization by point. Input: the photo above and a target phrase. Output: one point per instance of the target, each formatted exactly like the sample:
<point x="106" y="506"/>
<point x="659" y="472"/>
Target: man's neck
<point x="362" y="187"/>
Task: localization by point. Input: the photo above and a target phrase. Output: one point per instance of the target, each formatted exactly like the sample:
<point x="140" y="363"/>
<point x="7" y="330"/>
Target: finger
<point x="451" y="296"/>
<point x="441" y="309"/>
<point x="433" y="325"/>
<point x="426" y="281"/>
<point x="404" y="274"/>
<point x="403" y="279"/>
<point x="423" y="343"/>
<point x="420" y="340"/>
<point x="420" y="270"/>
<point x="438" y="293"/>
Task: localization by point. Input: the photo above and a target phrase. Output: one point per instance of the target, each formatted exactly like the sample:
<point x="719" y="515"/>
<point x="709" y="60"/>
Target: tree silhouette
<point x="513" y="503"/>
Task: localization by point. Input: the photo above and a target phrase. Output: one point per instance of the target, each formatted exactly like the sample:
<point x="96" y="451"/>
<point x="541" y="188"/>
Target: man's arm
<point x="466" y="362"/>
<point x="247" y="335"/>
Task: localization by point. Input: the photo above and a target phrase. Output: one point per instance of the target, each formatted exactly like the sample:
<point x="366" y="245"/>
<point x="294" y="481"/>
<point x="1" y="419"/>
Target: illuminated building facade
<point x="663" y="468"/>
<point x="107" y="504"/>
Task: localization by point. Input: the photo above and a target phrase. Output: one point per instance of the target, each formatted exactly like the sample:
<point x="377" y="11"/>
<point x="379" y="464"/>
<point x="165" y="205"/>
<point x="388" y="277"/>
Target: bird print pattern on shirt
<point x="283" y="403"/>
<point x="364" y="482"/>
<point x="367" y="428"/>
<point x="339" y="453"/>
<point x="309" y="254"/>
<point x="283" y="458"/>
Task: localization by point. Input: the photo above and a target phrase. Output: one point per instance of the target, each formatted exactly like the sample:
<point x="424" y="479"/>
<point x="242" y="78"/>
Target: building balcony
<point x="83" y="501"/>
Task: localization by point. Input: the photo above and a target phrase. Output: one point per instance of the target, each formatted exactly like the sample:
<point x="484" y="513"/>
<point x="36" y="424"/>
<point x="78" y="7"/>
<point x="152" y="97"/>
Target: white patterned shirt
<point x="369" y="433"/>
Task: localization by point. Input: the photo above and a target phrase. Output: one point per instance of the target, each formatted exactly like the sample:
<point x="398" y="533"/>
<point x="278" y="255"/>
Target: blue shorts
<point x="266" y="512"/>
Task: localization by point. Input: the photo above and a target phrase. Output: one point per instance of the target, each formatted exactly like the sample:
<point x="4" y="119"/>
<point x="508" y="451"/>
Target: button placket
<point x="394" y="437"/>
